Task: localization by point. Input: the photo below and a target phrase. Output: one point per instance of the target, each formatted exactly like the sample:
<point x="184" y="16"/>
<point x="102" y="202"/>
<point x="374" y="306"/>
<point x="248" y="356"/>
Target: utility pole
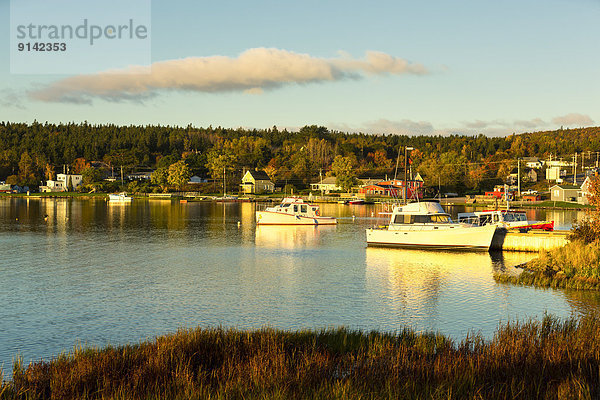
<point x="519" y="176"/>
<point x="575" y="171"/>
<point x="321" y="180"/>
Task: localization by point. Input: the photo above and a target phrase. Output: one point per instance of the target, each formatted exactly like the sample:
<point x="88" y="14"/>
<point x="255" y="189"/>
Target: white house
<point x="326" y="185"/>
<point x="61" y="184"/>
<point x="533" y="162"/>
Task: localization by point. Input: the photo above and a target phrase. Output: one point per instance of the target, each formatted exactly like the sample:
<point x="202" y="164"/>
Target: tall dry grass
<point x="575" y="266"/>
<point x="525" y="360"/>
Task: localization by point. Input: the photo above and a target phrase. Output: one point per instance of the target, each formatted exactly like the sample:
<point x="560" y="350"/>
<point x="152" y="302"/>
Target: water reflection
<point x="289" y="237"/>
<point x="419" y="285"/>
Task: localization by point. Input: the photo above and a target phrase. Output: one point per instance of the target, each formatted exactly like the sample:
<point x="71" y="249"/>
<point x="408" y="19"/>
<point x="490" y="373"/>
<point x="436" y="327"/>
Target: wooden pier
<point x="534" y="240"/>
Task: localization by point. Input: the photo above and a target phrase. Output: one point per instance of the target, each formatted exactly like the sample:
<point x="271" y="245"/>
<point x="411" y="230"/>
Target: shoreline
<point x="544" y="205"/>
<point x="549" y="358"/>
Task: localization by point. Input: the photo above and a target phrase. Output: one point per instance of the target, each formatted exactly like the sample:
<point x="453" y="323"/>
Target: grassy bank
<point x="547" y="359"/>
<point x="574" y="266"/>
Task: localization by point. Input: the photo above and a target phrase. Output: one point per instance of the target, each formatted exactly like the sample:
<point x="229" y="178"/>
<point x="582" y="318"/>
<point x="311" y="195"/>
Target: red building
<point x="394" y="188"/>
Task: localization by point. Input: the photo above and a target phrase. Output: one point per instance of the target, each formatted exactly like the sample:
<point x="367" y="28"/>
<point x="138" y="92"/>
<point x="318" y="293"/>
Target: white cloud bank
<point x="574" y="119"/>
<point x="252" y="71"/>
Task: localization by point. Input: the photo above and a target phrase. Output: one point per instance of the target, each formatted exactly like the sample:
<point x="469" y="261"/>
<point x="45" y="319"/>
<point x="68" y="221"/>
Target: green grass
<point x="545" y="359"/>
<point x="573" y="266"/>
<point x="556" y="204"/>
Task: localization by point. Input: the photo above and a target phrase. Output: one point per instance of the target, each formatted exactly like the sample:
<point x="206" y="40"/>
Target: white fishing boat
<point x="293" y="211"/>
<point x="119" y="197"/>
<point x="426" y="225"/>
<point x="508" y="219"/>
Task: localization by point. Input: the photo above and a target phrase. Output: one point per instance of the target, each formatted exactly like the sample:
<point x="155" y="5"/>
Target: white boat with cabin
<point x="119" y="197"/>
<point x="426" y="225"/>
<point x="293" y="211"/>
<point x="508" y="219"/>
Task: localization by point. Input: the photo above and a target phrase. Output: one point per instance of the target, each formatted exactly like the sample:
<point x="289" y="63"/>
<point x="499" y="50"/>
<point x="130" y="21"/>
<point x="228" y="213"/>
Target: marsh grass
<point x="573" y="266"/>
<point x="545" y="359"/>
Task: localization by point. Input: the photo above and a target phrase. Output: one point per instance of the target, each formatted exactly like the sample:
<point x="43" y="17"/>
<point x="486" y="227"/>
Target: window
<point x="403" y="219"/>
<point x="444" y="219"/>
<point x="295" y="208"/>
<point x="422" y="219"/>
<point x="303" y="208"/>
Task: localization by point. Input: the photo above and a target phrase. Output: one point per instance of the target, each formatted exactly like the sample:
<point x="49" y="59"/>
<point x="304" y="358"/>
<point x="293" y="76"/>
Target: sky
<point x="393" y="67"/>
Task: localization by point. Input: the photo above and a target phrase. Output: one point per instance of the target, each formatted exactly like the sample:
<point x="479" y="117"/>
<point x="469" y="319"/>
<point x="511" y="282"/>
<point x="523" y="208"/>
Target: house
<point x="533" y="162"/>
<point x="62" y="183"/>
<point x="5" y="187"/>
<point x="140" y="176"/>
<point x="362" y="182"/>
<point x="527" y="175"/>
<point x="585" y="190"/>
<point x="564" y="193"/>
<point x="532" y="197"/>
<point x="326" y="185"/>
<point x="196" y="179"/>
<point x="256" y="182"/>
<point x="500" y="191"/>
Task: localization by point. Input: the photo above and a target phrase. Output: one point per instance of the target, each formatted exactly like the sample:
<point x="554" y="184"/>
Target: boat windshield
<point x="421" y="219"/>
<point x="512" y="217"/>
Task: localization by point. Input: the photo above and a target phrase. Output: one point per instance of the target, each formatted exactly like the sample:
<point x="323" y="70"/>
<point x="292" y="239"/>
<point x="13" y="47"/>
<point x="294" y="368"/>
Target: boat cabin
<point x="492" y="217"/>
<point x="295" y="206"/>
<point x="420" y="213"/>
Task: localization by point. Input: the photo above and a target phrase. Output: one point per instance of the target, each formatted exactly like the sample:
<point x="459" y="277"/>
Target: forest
<point x="32" y="153"/>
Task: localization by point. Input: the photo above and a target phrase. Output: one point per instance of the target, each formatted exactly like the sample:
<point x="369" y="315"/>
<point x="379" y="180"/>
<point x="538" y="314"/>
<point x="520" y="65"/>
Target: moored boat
<point x="426" y="225"/>
<point x="119" y="197"/>
<point x="293" y="211"/>
<point x="509" y="219"/>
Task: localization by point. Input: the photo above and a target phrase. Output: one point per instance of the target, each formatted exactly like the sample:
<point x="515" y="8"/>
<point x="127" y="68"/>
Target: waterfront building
<point x="256" y="182"/>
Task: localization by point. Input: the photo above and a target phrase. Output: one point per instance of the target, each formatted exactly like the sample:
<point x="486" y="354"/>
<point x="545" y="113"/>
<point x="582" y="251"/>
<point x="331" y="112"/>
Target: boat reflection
<point x="289" y="237"/>
<point x="415" y="280"/>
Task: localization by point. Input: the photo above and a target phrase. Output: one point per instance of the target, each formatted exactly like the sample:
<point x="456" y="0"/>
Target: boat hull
<point x="276" y="218"/>
<point x="446" y="238"/>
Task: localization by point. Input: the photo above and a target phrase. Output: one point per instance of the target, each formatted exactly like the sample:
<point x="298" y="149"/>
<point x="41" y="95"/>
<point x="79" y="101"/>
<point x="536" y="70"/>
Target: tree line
<point x="32" y="153"/>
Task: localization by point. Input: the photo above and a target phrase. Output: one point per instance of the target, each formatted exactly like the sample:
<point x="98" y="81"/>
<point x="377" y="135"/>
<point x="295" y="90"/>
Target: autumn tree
<point x="160" y="177"/>
<point x="344" y="171"/>
<point x="179" y="174"/>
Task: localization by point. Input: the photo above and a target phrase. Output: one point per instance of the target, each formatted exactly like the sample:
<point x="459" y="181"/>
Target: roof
<point x="567" y="187"/>
<point x="330" y="180"/>
<point x="260" y="175"/>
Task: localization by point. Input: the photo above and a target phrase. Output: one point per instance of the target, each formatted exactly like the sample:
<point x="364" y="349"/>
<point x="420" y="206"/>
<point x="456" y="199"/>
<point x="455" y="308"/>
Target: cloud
<point x="11" y="98"/>
<point x="574" y="119"/>
<point x="253" y="70"/>
<point x="402" y="127"/>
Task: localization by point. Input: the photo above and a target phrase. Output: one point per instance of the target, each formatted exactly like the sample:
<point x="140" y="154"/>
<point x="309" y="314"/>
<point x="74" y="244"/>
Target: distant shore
<point x="459" y="201"/>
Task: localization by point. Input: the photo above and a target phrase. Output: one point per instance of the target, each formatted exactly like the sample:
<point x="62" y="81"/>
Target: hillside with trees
<point x="31" y="153"/>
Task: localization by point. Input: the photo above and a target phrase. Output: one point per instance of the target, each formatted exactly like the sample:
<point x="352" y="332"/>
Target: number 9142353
<point x="42" y="46"/>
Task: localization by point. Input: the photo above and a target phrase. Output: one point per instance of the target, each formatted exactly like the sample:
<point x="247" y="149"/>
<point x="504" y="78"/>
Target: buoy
<point x="372" y="214"/>
<point x="353" y="218"/>
<point x="239" y="224"/>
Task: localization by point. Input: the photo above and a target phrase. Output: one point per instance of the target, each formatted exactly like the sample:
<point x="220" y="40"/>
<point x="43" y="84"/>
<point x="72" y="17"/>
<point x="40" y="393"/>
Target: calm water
<point x="97" y="273"/>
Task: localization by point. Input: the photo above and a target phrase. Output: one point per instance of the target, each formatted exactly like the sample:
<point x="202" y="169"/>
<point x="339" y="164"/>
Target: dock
<point x="534" y="240"/>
